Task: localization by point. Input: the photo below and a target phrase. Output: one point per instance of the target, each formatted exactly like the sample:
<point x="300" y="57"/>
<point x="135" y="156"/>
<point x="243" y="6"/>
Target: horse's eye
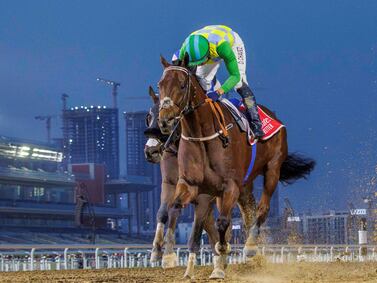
<point x="148" y="119"/>
<point x="183" y="86"/>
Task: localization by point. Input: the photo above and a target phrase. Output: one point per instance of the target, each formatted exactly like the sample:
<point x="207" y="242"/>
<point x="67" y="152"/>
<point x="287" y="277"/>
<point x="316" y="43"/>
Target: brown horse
<point x="207" y="165"/>
<point x="157" y="150"/>
<point x="169" y="173"/>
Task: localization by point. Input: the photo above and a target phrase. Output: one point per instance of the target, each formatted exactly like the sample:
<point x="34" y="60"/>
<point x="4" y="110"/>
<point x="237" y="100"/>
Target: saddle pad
<point x="270" y="126"/>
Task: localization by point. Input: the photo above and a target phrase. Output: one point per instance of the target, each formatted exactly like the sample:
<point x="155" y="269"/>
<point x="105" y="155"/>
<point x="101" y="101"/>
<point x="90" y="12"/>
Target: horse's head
<point x="175" y="93"/>
<point x="156" y="139"/>
<point x="154" y="147"/>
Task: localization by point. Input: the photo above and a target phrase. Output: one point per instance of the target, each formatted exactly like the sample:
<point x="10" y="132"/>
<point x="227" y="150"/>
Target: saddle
<point x="270" y="126"/>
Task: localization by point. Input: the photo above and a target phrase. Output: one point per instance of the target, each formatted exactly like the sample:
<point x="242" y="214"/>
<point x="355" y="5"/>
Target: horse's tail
<point x="295" y="167"/>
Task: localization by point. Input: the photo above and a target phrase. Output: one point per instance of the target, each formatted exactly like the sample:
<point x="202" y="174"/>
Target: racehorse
<point x="209" y="165"/>
<point x="156" y="150"/>
<point x="169" y="173"/>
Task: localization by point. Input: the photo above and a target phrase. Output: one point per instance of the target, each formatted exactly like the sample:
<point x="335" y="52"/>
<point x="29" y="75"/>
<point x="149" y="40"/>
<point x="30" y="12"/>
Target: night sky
<point x="313" y="62"/>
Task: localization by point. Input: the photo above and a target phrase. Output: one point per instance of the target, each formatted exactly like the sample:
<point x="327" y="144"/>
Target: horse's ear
<point x="153" y="95"/>
<point x="186" y="60"/>
<point x="164" y="62"/>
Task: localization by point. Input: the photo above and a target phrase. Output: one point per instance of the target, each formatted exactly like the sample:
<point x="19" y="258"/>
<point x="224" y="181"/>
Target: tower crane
<point x="115" y="86"/>
<point x="46" y="118"/>
<point x="64" y="100"/>
<point x="291" y="224"/>
<point x="288" y="212"/>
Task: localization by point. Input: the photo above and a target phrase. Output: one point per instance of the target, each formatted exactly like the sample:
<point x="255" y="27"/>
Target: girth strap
<point x="216" y="109"/>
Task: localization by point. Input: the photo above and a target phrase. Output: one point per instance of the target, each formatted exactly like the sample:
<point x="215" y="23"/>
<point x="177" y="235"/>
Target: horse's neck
<point x="191" y="124"/>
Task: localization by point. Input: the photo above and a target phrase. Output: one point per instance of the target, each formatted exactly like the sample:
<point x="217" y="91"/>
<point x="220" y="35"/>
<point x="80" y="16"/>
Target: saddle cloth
<point x="270" y="126"/>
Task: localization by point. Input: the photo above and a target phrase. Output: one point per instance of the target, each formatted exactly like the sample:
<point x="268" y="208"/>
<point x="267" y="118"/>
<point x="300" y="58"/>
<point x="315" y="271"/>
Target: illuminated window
<point x="39" y="192"/>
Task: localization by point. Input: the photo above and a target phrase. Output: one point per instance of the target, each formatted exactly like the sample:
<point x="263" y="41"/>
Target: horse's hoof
<point x="223" y="249"/>
<point x="169" y="261"/>
<point x="249" y="252"/>
<point x="188" y="276"/>
<point x="156" y="255"/>
<point x="217" y="274"/>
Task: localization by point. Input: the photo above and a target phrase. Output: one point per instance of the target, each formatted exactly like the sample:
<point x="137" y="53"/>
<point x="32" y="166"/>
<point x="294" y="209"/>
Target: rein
<point x="216" y="110"/>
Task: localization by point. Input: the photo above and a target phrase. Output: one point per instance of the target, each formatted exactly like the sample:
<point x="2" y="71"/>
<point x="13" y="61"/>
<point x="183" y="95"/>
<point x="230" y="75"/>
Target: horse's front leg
<point x="169" y="258"/>
<point x="167" y="193"/>
<point x="184" y="194"/>
<point x="225" y="205"/>
<point x="203" y="211"/>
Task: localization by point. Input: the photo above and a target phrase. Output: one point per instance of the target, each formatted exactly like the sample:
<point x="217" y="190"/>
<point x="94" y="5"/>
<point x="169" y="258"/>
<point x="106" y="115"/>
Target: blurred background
<point x="73" y="86"/>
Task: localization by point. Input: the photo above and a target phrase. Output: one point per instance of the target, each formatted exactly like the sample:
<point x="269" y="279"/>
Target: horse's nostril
<point x="147" y="154"/>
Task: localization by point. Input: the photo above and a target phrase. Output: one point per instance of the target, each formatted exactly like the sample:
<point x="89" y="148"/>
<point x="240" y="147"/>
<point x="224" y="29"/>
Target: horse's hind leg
<point x="225" y="205"/>
<point x="271" y="179"/>
<point x="167" y="193"/>
<point x="246" y="203"/>
<point x="203" y="213"/>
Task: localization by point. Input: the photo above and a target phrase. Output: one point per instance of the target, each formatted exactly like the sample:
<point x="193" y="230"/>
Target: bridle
<point x="189" y="108"/>
<point x="186" y="97"/>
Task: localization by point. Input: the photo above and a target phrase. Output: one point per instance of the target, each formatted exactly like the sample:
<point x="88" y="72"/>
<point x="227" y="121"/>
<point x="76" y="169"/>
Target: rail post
<point x="282" y="254"/>
<point x="66" y="258"/>
<point x="96" y="257"/>
<point x="42" y="263"/>
<point x="315" y="253"/>
<point x="331" y="253"/>
<point x="84" y="261"/>
<point x="145" y="260"/>
<point x="178" y="253"/>
<point x="32" y="259"/>
<point x="13" y="266"/>
<point x="109" y="261"/>
<point x="125" y="258"/>
<point x="57" y="260"/>
<point x="201" y="256"/>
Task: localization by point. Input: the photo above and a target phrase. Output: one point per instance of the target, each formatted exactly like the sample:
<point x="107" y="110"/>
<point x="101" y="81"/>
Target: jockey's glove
<point x="213" y="95"/>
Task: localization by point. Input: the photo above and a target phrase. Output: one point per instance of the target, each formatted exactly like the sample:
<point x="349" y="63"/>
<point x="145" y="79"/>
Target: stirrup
<point x="225" y="140"/>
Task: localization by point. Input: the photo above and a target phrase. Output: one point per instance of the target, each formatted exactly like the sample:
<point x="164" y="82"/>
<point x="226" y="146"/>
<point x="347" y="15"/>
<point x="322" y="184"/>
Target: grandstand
<point x="38" y="200"/>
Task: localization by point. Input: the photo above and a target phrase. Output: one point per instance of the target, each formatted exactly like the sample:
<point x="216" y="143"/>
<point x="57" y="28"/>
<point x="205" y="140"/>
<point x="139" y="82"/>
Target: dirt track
<point x="255" y="272"/>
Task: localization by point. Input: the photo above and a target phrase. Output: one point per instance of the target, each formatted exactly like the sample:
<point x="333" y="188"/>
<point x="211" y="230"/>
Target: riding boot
<point x="251" y="105"/>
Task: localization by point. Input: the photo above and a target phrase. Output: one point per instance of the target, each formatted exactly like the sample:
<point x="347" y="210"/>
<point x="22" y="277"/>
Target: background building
<point x="137" y="167"/>
<point x="91" y="135"/>
<point x="329" y="228"/>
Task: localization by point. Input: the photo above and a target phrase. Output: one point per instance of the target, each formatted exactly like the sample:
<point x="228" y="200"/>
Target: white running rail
<point x="60" y="257"/>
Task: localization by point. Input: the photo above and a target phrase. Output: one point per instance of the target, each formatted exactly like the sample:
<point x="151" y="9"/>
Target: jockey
<point x="206" y="48"/>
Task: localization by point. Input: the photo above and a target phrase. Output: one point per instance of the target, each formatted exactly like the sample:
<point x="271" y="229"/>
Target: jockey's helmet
<point x="197" y="47"/>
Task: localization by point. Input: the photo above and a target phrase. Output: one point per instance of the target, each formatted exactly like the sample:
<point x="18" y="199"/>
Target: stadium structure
<point x="42" y="202"/>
